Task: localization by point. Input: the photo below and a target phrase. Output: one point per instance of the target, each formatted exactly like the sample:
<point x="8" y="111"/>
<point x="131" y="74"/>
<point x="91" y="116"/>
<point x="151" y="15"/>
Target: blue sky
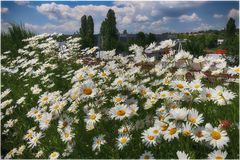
<point x="134" y="16"/>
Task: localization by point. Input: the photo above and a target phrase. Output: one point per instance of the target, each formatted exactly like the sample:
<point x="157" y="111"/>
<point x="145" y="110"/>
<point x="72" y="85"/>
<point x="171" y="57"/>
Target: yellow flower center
<point x="45" y="98"/>
<point x="216" y="135"/>
<point x="197" y="86"/>
<point x="104" y="74"/>
<point x="65" y="123"/>
<point x="93" y="116"/>
<point x="219" y="158"/>
<point x="90" y="75"/>
<point x="199" y="134"/>
<point x="66" y="135"/>
<point x="164" y="127"/>
<point x="119" y="82"/>
<point x="123" y="140"/>
<point x="163" y="95"/>
<point x="39" y="116"/>
<point x="143" y="92"/>
<point x="56" y="107"/>
<point x="237" y="70"/>
<point x="180" y="86"/>
<point x="161" y="117"/>
<point x="29" y="135"/>
<point x="166" y="82"/>
<point x="118" y="99"/>
<point x="172" y="131"/>
<point x="125" y="130"/>
<point x="120" y="112"/>
<point x="192" y="119"/>
<point x="208" y="95"/>
<point x="80" y="77"/>
<point x="98" y="141"/>
<point x="186" y="133"/>
<point x="87" y="90"/>
<point x="54" y="154"/>
<point x="146" y="157"/>
<point x="150" y="137"/>
<point x="155" y="131"/>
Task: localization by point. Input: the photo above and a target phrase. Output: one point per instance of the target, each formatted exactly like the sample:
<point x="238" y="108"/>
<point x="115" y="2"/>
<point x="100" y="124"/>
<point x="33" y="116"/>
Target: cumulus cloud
<point x="4" y="26"/>
<point x="21" y="3"/>
<point x="189" y="18"/>
<point x="132" y="15"/>
<point x="234" y="13"/>
<point x="4" y="10"/>
<point x="203" y="27"/>
<point x="217" y="15"/>
<point x="141" y="18"/>
<point x="67" y="27"/>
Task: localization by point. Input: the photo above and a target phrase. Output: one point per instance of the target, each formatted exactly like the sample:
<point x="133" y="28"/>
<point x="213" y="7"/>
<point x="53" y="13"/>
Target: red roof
<point x="220" y="51"/>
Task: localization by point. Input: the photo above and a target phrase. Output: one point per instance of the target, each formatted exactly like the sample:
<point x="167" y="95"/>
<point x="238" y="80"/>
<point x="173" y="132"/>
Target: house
<point x="217" y="54"/>
<point x="220" y="41"/>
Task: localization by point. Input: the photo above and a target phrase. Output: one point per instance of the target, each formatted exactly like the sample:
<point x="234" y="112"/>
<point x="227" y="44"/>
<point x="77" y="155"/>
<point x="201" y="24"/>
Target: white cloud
<point x="189" y="18"/>
<point x="141" y="18"/>
<point x="4" y="10"/>
<point x="21" y="3"/>
<point x="234" y="13"/>
<point x="203" y="27"/>
<point x="131" y="14"/>
<point x="217" y="15"/>
<point x="4" y="26"/>
<point x="71" y="26"/>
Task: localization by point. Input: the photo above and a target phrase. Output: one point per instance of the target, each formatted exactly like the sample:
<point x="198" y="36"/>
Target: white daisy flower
<point x="194" y="117"/>
<point x="234" y="70"/>
<point x="44" y="122"/>
<point x="67" y="134"/>
<point x="197" y="134"/>
<point x="125" y="129"/>
<point x="119" y="82"/>
<point x="147" y="155"/>
<point x="196" y="85"/>
<point x="57" y="107"/>
<point x="54" y="155"/>
<point x="171" y="133"/>
<point x="119" y="112"/>
<point x="149" y="139"/>
<point x="92" y="117"/>
<point x="215" y="136"/>
<point x="178" y="114"/>
<point x="181" y="85"/>
<point x="97" y="142"/>
<point x="88" y="89"/>
<point x="119" y="99"/>
<point x="186" y="129"/>
<point x="218" y="155"/>
<point x="35" y="139"/>
<point x="182" y="155"/>
<point x="122" y="141"/>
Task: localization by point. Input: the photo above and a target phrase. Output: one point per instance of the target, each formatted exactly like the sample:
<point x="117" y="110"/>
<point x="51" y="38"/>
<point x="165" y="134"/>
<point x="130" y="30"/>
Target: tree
<point x="109" y="31"/>
<point x="90" y="31"/>
<point x="125" y="32"/>
<point x="83" y="31"/>
<point x="151" y="38"/>
<point x="231" y="42"/>
<point x="141" y="39"/>
<point x="230" y="28"/>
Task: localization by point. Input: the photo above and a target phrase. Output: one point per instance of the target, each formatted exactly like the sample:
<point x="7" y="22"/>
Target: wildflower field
<point x="58" y="101"/>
